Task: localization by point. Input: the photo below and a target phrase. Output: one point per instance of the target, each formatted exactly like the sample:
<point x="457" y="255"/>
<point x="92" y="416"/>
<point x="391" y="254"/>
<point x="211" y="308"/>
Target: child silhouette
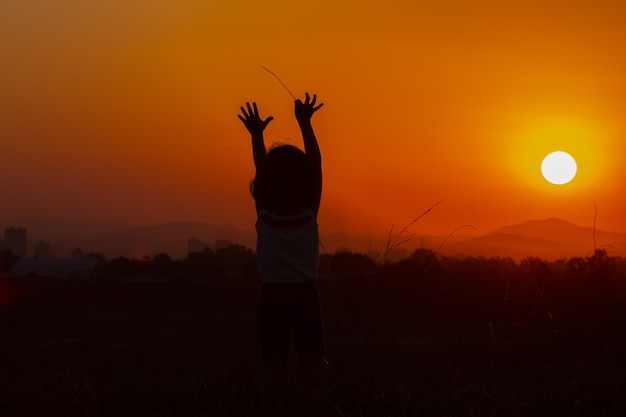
<point x="287" y="190"/>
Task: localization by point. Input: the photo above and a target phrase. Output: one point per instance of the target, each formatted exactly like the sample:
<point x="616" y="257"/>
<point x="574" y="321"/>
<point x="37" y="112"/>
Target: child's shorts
<point x="291" y="310"/>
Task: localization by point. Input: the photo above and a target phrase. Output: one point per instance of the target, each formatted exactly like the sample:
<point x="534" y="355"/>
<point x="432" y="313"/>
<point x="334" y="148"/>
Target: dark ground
<point x="436" y="345"/>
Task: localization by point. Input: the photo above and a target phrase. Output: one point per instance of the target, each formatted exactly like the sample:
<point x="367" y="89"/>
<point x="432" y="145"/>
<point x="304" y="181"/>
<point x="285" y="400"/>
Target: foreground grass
<point x="79" y="349"/>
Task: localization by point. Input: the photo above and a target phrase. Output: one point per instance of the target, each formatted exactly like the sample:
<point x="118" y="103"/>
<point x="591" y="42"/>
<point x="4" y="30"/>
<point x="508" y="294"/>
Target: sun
<point x="558" y="168"/>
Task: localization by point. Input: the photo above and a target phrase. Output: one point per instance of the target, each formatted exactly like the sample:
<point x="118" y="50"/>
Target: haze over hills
<point x="549" y="239"/>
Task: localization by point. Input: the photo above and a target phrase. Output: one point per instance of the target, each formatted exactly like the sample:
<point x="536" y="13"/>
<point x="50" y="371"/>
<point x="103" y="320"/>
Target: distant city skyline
<point x="549" y="238"/>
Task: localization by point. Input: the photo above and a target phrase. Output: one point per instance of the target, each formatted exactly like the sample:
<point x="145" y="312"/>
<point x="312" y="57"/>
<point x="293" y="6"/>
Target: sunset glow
<point x="126" y="113"/>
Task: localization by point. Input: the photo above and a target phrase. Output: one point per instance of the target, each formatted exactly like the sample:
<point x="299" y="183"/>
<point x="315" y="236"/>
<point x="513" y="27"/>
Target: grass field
<point x="472" y="338"/>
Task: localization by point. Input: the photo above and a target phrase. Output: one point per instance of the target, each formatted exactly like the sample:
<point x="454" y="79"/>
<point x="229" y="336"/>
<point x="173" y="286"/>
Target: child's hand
<point x="304" y="111"/>
<point x="252" y="120"/>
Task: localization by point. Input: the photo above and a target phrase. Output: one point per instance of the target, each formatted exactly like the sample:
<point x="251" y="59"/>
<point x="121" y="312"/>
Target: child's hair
<point x="282" y="184"/>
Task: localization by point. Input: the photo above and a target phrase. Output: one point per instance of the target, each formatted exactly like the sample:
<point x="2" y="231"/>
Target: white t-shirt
<point x="287" y="247"/>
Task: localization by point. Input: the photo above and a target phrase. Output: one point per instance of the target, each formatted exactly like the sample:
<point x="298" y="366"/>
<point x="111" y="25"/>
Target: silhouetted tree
<point x="232" y="259"/>
<point x="162" y="262"/>
<point x="120" y="266"/>
<point x="7" y="260"/>
<point x="345" y="262"/>
<point x="199" y="264"/>
<point x="165" y="267"/>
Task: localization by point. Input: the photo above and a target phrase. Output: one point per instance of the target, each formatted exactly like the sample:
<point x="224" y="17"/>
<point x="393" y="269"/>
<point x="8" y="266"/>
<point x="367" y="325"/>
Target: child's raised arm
<point x="255" y="126"/>
<point x="304" y="112"/>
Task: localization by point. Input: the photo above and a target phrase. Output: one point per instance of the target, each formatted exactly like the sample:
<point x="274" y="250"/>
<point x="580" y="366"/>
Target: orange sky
<point x="125" y="111"/>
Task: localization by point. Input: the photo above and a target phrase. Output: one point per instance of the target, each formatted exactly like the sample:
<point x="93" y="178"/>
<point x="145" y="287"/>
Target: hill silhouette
<point x="550" y="239"/>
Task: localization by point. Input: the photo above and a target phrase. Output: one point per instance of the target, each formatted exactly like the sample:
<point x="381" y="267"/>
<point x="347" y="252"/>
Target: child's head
<point x="281" y="185"/>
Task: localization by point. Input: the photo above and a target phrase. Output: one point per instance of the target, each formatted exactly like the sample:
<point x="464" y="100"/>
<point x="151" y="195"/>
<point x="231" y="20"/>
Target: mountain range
<point x="548" y="239"/>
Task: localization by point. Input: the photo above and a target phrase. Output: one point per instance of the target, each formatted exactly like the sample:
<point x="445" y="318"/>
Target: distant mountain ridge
<point x="550" y="238"/>
<point x="555" y="228"/>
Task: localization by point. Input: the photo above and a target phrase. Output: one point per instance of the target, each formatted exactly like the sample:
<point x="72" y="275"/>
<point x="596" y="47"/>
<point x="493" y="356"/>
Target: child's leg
<point x="274" y="384"/>
<point x="309" y="344"/>
<point x="274" y="332"/>
<point x="311" y="372"/>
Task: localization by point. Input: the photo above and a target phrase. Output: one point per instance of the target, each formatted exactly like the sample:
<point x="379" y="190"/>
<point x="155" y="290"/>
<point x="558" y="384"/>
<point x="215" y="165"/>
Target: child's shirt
<point x="287" y="247"/>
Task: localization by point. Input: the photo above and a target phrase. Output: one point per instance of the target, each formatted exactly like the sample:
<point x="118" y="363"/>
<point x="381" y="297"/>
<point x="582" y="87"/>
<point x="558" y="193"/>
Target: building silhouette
<point x="43" y="249"/>
<point x="15" y="240"/>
